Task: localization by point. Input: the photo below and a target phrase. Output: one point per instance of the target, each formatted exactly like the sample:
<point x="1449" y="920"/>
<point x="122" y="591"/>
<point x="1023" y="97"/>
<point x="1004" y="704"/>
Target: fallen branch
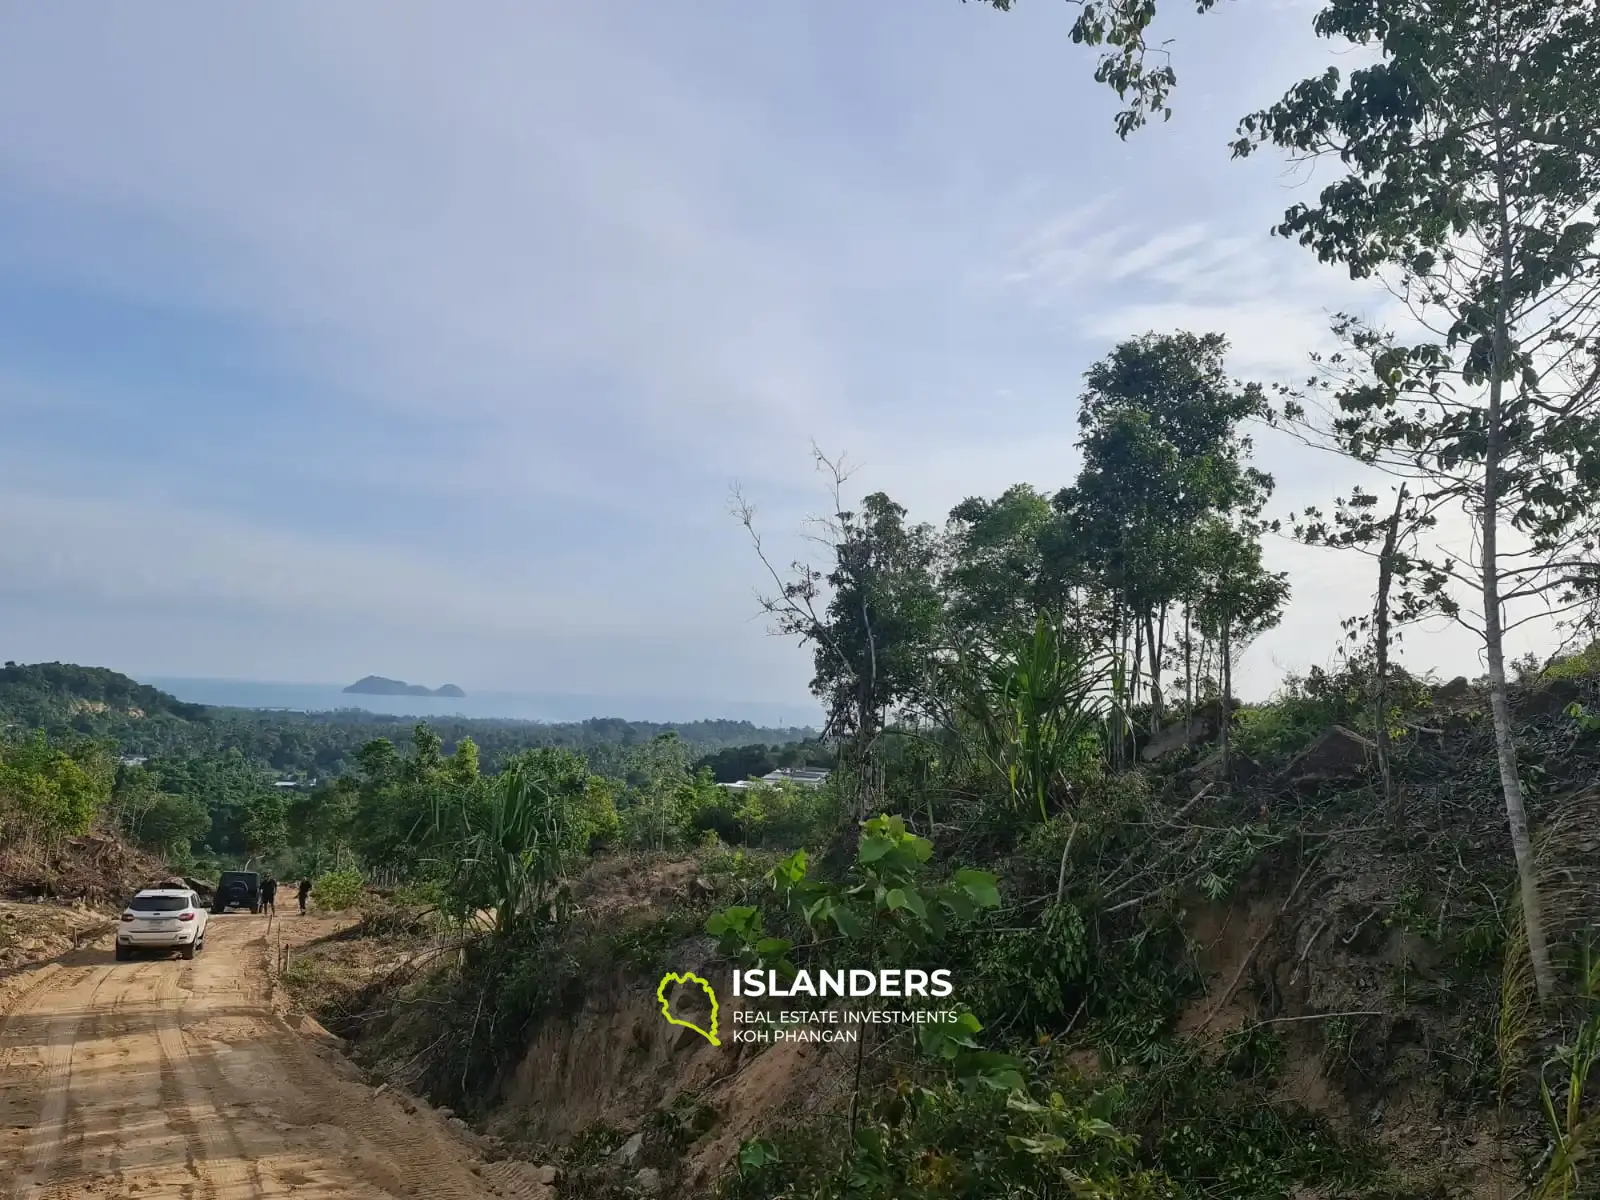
<point x="1366" y="1012"/>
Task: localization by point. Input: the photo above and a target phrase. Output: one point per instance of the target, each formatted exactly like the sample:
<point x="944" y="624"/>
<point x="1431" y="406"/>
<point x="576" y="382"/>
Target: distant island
<point x="377" y="685"/>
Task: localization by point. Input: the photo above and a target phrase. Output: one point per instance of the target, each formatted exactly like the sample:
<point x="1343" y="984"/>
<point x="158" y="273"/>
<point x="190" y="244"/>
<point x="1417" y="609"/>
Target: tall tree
<point x="993" y="571"/>
<point x="1164" y="453"/>
<point x="871" y="617"/>
<point x="1471" y="173"/>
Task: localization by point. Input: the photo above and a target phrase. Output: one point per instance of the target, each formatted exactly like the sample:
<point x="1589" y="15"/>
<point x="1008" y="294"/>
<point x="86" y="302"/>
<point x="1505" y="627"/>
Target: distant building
<point x="287" y="783"/>
<point x="803" y="776"/>
<point x="133" y="760"/>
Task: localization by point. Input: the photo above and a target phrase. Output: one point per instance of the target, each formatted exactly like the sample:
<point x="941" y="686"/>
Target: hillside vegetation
<point x="1335" y="945"/>
<point x="85" y="749"/>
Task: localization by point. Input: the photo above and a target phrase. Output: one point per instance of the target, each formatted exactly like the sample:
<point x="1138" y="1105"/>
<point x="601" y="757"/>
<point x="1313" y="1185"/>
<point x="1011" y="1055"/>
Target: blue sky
<point x="374" y="337"/>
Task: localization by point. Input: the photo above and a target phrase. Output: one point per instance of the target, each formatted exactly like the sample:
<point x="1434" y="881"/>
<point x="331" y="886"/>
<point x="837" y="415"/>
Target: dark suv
<point x="237" y="889"/>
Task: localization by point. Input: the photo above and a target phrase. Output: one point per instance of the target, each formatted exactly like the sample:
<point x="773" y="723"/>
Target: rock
<point x="648" y="1181"/>
<point x="1337" y="754"/>
<point x="1454" y="690"/>
<point x="444" y="1112"/>
<point x="629" y="1150"/>
<point x="548" y="1175"/>
<point x="702" y="887"/>
<point x="458" y="1125"/>
<point x="1176" y="737"/>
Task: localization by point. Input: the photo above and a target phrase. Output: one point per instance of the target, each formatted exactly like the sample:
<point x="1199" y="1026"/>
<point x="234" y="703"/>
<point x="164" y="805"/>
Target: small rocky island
<point x="377" y="685"/>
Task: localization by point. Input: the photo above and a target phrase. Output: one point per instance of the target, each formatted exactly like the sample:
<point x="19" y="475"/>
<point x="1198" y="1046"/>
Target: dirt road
<point x="179" y="1079"/>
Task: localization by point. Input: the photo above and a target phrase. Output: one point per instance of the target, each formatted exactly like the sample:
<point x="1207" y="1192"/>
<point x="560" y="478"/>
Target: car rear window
<point x="159" y="903"/>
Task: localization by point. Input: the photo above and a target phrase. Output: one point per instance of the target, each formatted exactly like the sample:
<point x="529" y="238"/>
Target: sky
<point x="380" y="338"/>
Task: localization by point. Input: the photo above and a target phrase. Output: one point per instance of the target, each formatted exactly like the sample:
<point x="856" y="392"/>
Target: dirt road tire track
<point x="47" y="1141"/>
<point x="177" y="1079"/>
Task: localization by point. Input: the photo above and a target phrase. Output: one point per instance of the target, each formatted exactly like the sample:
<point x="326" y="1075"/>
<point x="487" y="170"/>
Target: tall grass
<point x="1568" y="862"/>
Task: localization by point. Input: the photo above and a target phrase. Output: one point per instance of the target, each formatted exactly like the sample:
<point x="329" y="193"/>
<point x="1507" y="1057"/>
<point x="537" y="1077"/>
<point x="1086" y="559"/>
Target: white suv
<point x="164" y="919"/>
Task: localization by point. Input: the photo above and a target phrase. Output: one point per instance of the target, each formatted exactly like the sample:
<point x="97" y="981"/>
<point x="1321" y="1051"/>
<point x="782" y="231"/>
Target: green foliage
<point x="266" y="823"/>
<point x="785" y="814"/>
<point x="1583" y="665"/>
<point x="506" y="843"/>
<point x="1036" y="706"/>
<point x="51" y="788"/>
<point x="165" y="823"/>
<point x="892" y="914"/>
<point x="1572" y="1117"/>
<point x="338" y="891"/>
<point x="945" y="1142"/>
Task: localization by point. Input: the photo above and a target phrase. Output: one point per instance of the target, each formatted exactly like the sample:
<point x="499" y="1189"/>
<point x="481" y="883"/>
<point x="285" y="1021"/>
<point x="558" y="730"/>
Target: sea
<point x="522" y="706"/>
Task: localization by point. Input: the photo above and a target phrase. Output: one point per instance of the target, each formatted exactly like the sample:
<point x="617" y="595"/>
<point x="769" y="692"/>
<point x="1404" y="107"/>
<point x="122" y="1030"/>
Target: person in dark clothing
<point x="269" y="895"/>
<point x="305" y="894"/>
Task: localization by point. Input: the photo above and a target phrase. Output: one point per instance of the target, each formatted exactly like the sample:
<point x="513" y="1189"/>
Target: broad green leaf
<point x="873" y="848"/>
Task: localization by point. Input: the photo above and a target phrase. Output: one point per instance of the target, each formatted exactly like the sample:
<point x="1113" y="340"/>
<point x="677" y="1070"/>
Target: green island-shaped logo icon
<point x="666" y="1006"/>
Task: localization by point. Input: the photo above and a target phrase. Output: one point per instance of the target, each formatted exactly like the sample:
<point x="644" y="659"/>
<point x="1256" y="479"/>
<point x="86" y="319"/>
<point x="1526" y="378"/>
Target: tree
<point x="52" y="788"/>
<point x="1163" y="455"/>
<point x="1470" y="178"/>
<point x="993" y="572"/>
<point x="266" y="823"/>
<point x="1409" y="587"/>
<point x="1237" y="600"/>
<point x="656" y="774"/>
<point x="872" y="618"/>
<point x="155" y="819"/>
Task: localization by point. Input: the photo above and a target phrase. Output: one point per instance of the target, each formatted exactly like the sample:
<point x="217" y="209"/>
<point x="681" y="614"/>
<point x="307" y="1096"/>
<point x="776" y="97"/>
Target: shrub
<point x="786" y="814"/>
<point x="337" y="891"/>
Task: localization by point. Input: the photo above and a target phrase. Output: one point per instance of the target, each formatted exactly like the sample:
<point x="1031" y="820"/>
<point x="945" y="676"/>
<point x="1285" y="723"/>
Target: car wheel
<point x="124" y="953"/>
<point x="187" y="951"/>
<point x="256" y="908"/>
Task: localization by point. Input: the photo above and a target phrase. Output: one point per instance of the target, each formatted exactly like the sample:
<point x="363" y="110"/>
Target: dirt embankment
<point x="97" y="869"/>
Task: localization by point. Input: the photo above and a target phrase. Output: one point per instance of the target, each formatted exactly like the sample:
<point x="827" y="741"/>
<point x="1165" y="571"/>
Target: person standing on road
<point x="269" y="896"/>
<point x="305" y="893"/>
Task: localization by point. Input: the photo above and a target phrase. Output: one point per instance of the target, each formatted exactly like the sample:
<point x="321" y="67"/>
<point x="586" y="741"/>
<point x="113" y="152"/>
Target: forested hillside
<point x="209" y="786"/>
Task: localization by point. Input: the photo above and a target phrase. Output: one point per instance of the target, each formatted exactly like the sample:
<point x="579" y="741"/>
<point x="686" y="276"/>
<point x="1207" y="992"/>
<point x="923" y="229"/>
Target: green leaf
<point x="847" y="921"/>
<point x="873" y="848"/>
<point x="980" y="886"/>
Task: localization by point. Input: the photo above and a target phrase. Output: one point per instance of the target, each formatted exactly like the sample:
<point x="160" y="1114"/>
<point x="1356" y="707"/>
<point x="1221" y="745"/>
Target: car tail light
<point x="127" y="916"/>
<point x="188" y="916"/>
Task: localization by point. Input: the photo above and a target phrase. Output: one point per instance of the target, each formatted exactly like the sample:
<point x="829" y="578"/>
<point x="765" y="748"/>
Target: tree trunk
<point x="1119" y="690"/>
<point x="1225" y="720"/>
<point x="1155" y="632"/>
<point x="1499" y="701"/>
<point x="1188" y="661"/>
<point x="1380" y="715"/>
<point x="1133" y="682"/>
